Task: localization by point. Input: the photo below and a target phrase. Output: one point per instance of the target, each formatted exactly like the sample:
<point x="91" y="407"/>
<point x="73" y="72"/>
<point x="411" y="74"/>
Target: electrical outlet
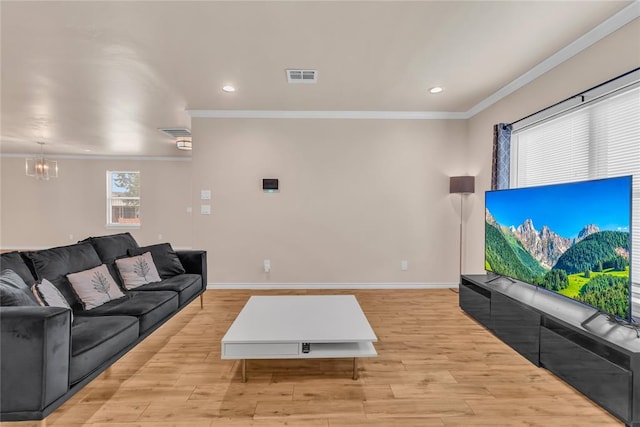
<point x="159" y="236"/>
<point x="267" y="265"/>
<point x="404" y="265"/>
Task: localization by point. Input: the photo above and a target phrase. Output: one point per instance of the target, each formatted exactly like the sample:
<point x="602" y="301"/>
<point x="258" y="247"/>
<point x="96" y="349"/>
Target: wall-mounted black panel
<point x="476" y="302"/>
<point x="516" y="325"/>
<point x="602" y="381"/>
<point x="270" y="184"/>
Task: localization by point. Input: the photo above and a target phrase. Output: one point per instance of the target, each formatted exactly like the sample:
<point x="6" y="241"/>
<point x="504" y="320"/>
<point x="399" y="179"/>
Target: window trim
<point x="110" y="198"/>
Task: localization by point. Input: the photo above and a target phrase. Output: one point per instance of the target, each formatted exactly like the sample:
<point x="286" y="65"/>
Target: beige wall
<point x="356" y="198"/>
<point x="612" y="56"/>
<point x="37" y="214"/>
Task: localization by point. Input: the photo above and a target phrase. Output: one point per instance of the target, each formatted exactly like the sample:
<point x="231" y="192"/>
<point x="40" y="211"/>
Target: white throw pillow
<point x="48" y="295"/>
<point x="137" y="270"/>
<point x="94" y="287"/>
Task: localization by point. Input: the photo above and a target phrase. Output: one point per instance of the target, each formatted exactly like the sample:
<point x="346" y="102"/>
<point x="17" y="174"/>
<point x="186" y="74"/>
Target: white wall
<point x="356" y="198"/>
<point x="61" y="211"/>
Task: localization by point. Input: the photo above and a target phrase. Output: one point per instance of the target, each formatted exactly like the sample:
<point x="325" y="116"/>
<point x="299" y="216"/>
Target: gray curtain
<point x="501" y="161"/>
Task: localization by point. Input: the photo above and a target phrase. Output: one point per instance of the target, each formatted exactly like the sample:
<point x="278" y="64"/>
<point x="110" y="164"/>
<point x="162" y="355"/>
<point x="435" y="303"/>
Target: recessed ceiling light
<point x="228" y="88"/>
<point x="436" y="89"/>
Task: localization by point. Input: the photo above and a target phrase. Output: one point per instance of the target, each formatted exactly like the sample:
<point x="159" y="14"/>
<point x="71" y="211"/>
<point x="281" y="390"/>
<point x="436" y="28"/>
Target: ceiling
<point x="100" y="77"/>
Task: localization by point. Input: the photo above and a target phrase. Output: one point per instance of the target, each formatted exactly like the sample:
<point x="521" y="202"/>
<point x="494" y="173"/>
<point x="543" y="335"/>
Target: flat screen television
<point x="573" y="239"/>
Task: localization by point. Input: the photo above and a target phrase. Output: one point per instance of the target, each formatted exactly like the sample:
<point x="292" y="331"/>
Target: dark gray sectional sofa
<point x="46" y="357"/>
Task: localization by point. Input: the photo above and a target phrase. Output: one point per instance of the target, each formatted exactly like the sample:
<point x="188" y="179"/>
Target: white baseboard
<point x="396" y="285"/>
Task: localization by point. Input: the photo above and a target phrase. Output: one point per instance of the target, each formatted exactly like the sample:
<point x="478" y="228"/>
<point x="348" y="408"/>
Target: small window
<point x="123" y="199"/>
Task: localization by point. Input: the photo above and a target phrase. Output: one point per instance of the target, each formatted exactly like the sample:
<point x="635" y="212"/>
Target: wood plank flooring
<point x="436" y="367"/>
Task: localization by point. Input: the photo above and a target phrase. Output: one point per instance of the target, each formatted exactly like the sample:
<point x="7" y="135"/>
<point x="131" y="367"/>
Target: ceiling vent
<point x="176" y="132"/>
<point x="302" y="76"/>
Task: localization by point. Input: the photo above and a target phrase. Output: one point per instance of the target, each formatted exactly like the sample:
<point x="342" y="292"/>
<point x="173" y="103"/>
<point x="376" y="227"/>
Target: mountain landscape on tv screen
<point x="592" y="267"/>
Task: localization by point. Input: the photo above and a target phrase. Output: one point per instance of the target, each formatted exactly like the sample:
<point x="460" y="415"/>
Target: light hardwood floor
<point x="436" y="367"/>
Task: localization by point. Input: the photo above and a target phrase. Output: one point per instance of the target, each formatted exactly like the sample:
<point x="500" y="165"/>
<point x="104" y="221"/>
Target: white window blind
<point x="598" y="140"/>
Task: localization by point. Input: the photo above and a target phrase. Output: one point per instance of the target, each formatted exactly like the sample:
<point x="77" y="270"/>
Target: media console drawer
<point x="606" y="383"/>
<point x="475" y="301"/>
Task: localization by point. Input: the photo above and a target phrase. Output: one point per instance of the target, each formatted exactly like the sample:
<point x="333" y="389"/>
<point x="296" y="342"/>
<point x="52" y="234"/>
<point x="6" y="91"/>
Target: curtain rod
<point x="581" y="94"/>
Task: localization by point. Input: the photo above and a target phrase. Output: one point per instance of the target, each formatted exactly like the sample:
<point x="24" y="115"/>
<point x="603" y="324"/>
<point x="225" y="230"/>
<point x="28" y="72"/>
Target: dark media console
<point x="599" y="358"/>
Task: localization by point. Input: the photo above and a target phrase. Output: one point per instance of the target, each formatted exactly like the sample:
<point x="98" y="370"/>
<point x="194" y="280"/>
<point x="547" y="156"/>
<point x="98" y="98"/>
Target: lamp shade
<point x="462" y="184"/>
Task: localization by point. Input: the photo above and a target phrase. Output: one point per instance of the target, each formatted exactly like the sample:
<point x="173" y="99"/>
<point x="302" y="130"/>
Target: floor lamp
<point x="461" y="185"/>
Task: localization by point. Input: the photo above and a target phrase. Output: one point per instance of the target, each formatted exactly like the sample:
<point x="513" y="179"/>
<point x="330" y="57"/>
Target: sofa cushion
<point x="111" y="247"/>
<point x="186" y="285"/>
<point x="54" y="264"/>
<point x="13" y="291"/>
<point x="137" y="270"/>
<point x="48" y="295"/>
<point x="94" y="340"/>
<point x="94" y="287"/>
<point x="149" y="307"/>
<point x="164" y="257"/>
<point x="14" y="261"/>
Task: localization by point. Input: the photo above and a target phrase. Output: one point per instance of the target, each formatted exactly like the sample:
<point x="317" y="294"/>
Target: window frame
<point x="111" y="199"/>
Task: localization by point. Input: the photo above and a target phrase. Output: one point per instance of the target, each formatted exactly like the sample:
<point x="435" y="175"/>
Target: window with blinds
<point x="598" y="140"/>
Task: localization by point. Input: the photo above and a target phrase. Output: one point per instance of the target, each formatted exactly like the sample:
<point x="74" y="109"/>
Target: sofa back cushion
<point x="112" y="247"/>
<point x="14" y="261"/>
<point x="54" y="264"/>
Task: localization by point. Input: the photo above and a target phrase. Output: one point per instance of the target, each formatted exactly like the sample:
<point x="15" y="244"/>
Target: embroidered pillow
<point x="48" y="295"/>
<point x="94" y="287"/>
<point x="165" y="258"/>
<point x="138" y="270"/>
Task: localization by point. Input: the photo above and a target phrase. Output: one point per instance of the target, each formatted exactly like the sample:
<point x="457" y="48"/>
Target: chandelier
<point x="41" y="168"/>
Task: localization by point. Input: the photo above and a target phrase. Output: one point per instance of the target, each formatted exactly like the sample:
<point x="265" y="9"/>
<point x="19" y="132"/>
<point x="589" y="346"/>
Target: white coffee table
<point x="276" y="327"/>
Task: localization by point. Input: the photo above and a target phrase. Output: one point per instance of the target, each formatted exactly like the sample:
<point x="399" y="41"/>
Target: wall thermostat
<point x="270" y="185"/>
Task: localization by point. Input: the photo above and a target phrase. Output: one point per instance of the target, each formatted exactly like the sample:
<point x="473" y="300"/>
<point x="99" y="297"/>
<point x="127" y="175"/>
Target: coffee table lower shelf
<point x="294" y="350"/>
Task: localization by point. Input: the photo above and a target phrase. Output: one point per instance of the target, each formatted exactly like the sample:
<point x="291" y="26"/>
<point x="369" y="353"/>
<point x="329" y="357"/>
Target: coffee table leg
<point x="355" y="368"/>
<point x="244" y="370"/>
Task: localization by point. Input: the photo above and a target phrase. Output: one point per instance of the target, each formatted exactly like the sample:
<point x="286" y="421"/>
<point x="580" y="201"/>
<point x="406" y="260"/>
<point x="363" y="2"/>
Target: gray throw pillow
<point x="13" y="291"/>
<point x="48" y="295"/>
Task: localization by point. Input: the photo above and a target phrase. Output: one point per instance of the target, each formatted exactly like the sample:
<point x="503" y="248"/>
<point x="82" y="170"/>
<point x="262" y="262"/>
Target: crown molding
<point x="291" y="114"/>
<point x="612" y="24"/>
<point x="97" y="157"/>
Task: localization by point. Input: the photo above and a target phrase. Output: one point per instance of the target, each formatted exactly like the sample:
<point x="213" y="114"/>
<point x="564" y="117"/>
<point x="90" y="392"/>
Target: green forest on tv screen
<point x="582" y="255"/>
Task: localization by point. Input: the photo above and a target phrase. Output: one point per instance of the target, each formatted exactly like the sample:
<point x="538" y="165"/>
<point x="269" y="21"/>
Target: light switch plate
<point x="205" y="194"/>
<point x="205" y="209"/>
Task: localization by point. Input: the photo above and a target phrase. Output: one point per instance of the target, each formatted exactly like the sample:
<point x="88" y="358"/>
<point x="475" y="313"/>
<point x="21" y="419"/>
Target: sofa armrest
<point x="35" y="344"/>
<point x="194" y="262"/>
